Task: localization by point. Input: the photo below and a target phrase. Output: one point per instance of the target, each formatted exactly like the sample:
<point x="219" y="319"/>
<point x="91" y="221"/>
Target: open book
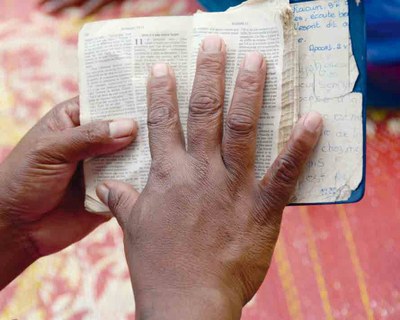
<point x="310" y="66"/>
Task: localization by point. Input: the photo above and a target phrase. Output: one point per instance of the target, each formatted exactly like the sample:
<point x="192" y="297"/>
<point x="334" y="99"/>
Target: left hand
<point x="41" y="191"/>
<point x="88" y="6"/>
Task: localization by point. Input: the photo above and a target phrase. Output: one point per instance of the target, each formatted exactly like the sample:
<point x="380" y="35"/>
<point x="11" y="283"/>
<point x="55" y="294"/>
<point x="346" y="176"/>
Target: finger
<point x="67" y="226"/>
<point x="206" y="103"/>
<point x="280" y="181"/>
<point x="241" y="124"/>
<point x="93" y="6"/>
<point x="56" y="6"/>
<point x="59" y="137"/>
<point x="62" y="116"/>
<point x="165" y="130"/>
<point x="119" y="197"/>
<point x="93" y="139"/>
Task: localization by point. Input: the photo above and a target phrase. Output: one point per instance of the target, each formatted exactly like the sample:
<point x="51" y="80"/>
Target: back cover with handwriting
<point x="332" y="50"/>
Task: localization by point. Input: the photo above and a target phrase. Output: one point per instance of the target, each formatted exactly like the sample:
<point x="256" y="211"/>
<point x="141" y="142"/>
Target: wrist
<point x="16" y="251"/>
<point x="190" y="304"/>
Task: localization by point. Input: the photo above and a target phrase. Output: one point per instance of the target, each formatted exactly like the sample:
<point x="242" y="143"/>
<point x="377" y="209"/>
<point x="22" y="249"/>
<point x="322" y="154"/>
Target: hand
<point x="41" y="191"/>
<point x="200" y="237"/>
<point x="88" y="6"/>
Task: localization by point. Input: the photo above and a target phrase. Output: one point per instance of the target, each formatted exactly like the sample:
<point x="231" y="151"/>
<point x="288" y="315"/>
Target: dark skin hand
<point x="41" y="191"/>
<point x="200" y="237"/>
<point x="88" y="6"/>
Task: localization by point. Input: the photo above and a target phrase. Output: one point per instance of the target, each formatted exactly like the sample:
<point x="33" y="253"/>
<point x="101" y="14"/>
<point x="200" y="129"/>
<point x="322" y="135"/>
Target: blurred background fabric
<point x="383" y="34"/>
<point x="331" y="262"/>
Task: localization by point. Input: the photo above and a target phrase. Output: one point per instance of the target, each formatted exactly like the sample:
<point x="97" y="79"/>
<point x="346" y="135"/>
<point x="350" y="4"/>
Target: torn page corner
<point x="353" y="72"/>
<point x="345" y="191"/>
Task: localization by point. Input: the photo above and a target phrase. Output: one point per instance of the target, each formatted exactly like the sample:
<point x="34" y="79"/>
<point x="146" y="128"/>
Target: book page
<point x="326" y="80"/>
<point x="115" y="59"/>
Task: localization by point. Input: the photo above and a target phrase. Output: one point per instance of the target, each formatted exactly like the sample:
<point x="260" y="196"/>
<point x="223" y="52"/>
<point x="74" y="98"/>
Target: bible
<point x="310" y="66"/>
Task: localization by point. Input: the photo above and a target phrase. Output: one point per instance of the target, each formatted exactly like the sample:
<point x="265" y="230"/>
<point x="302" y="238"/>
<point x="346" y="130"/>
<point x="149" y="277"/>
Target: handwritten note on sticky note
<point x="327" y="75"/>
<point x="323" y="39"/>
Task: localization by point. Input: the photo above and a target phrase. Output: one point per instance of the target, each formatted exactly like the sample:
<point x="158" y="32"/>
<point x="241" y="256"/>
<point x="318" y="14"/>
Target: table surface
<point x="331" y="262"/>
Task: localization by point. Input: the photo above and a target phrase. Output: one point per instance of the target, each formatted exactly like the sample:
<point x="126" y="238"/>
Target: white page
<point x="115" y="59"/>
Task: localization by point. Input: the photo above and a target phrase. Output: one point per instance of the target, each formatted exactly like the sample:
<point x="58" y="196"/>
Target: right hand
<point x="200" y="237"/>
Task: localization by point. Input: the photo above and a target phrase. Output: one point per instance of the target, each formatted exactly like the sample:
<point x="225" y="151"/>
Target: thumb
<point x="93" y="139"/>
<point x="120" y="197"/>
<point x="281" y="179"/>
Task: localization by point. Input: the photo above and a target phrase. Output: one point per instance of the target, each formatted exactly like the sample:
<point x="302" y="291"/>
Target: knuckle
<point x="287" y="170"/>
<point x="160" y="170"/>
<point x="300" y="146"/>
<point x="93" y="134"/>
<point x="161" y="112"/>
<point x="65" y="114"/>
<point x="162" y="99"/>
<point x="241" y="120"/>
<point x="250" y="82"/>
<point x="56" y="119"/>
<point x="164" y="86"/>
<point x="205" y="102"/>
<point x="118" y="201"/>
<point x="209" y="64"/>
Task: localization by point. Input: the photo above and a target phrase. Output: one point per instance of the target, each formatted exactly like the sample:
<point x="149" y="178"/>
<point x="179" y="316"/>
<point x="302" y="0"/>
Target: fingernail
<point x="103" y="192"/>
<point x="212" y="44"/>
<point x="253" y="61"/>
<point x="313" y="121"/>
<point x="160" y="70"/>
<point x="122" y="128"/>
